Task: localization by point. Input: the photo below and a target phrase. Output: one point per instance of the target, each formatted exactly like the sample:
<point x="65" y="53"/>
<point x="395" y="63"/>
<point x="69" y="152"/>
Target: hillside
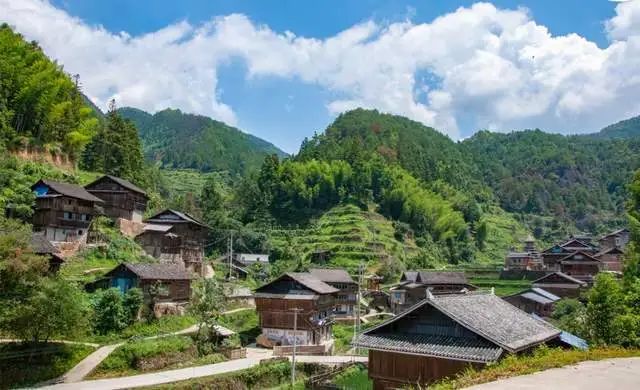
<point x="628" y="128"/>
<point x="181" y="140"/>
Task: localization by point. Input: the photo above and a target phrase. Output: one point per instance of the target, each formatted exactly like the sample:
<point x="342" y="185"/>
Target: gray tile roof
<point x="409" y="276"/>
<point x="488" y="316"/>
<point x="563" y="276"/>
<point x="495" y="319"/>
<point x="182" y="218"/>
<point x="70" y="190"/>
<point x="42" y="246"/>
<point x="331" y="275"/>
<point x="449" y="347"/>
<point x="442" y="277"/>
<point x="536" y="298"/>
<point x="124" y="183"/>
<point x="312" y="282"/>
<point x="545" y="293"/>
<point x="159" y="271"/>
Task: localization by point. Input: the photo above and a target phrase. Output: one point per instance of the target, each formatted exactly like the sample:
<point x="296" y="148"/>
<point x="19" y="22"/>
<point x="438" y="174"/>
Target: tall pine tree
<point x="116" y="149"/>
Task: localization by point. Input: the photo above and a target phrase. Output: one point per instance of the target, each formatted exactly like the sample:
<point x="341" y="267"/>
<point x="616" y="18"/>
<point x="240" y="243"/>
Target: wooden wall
<point x="390" y="370"/>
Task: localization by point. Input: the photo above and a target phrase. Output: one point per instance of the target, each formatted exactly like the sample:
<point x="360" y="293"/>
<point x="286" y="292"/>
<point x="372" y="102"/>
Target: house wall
<point x="563" y="290"/>
<point x="391" y="370"/>
<point x="63" y="218"/>
<point x="119" y="202"/>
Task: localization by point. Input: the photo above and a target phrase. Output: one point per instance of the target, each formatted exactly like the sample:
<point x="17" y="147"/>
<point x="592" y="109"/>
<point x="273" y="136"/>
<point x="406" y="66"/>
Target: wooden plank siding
<point x="390" y="370"/>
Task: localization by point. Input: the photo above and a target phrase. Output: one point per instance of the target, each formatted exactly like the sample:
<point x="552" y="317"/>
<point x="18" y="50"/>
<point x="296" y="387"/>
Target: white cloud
<point x="498" y="67"/>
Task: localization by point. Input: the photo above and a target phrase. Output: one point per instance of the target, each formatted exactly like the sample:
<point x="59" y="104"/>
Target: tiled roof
<point x="563" y="276"/>
<point x="159" y="271"/>
<point x="545" y="293"/>
<point x="155" y="227"/>
<point x="331" y="275"/>
<point x="124" y="183"/>
<point x="42" y="246"/>
<point x="183" y="217"/>
<point x="495" y="319"/>
<point x="442" y="277"/>
<point x="70" y="190"/>
<point x="487" y="316"/>
<point x="312" y="282"/>
<point x="410" y="276"/>
<point x="586" y="257"/>
<point x="536" y="298"/>
<point x="467" y="349"/>
<point x="615" y="232"/>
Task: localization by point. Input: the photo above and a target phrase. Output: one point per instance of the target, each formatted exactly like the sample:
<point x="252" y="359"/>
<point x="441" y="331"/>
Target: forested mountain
<point x="181" y="140"/>
<point x="628" y="128"/>
<point x="41" y="107"/>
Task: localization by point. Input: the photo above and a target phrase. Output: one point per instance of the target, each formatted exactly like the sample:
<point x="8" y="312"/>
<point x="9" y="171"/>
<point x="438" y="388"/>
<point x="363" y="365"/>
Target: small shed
<point x="560" y="284"/>
<point x="43" y="247"/>
<point x="534" y="301"/>
<point x="171" y="281"/>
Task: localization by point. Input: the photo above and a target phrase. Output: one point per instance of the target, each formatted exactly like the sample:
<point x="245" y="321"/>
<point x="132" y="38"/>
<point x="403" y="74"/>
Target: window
<point x="68" y="215"/>
<point x="79" y="232"/>
<point x="83" y="217"/>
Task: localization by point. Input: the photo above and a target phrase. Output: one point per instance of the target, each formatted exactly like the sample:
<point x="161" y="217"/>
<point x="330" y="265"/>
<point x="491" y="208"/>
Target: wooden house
<point x="63" y="211"/>
<point x="346" y="297"/>
<point x="534" y="300"/>
<point x="560" y="284"/>
<point x="527" y="259"/>
<point x="611" y="258"/>
<point x="444" y="335"/>
<point x="248" y="259"/>
<point x="616" y="239"/>
<point x="373" y="282"/>
<point x="413" y="287"/>
<point x="581" y="265"/>
<point x="301" y="295"/>
<point x="551" y="257"/>
<point x="175" y="237"/>
<point x="122" y="199"/>
<point x="170" y="282"/>
<point x="41" y="246"/>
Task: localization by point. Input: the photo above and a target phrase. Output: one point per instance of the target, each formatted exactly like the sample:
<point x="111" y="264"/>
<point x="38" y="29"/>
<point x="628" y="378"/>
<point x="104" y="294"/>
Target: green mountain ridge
<point x="181" y="140"/>
<point x="628" y="128"/>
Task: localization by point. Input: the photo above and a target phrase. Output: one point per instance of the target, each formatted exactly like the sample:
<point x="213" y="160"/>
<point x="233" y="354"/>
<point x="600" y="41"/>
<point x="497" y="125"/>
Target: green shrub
<point x="132" y="303"/>
<point x="109" y="313"/>
<point x="125" y="356"/>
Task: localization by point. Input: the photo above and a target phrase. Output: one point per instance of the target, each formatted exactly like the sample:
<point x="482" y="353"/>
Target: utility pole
<point x="295" y="339"/>
<point x="230" y="252"/>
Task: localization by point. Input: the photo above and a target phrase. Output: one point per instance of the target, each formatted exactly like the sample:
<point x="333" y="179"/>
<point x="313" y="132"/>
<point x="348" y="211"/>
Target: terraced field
<point x="344" y="237"/>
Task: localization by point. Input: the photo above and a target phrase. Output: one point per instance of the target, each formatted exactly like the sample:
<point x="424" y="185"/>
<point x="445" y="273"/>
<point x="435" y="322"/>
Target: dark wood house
<point x="534" y="300"/>
<point x="611" y="258"/>
<point x="296" y="294"/>
<point x="444" y="335"/>
<point x="175" y="237"/>
<point x="41" y="246"/>
<point x="560" y="284"/>
<point x="413" y="287"/>
<point x="171" y="282"/>
<point x="122" y="199"/>
<point x="616" y="239"/>
<point x="551" y="257"/>
<point x="346" y="298"/>
<point x="63" y="211"/>
<point x="581" y="265"/>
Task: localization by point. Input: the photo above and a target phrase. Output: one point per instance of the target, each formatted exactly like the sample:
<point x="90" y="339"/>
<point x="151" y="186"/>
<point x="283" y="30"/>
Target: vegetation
<point x="25" y="365"/>
<point x="207" y="304"/>
<point x="113" y="311"/>
<point x="263" y="376"/>
<point x="180" y="140"/>
<point x="244" y="322"/>
<point x="354" y="378"/>
<point x="41" y="107"/>
<point x="542" y="359"/>
<point x="145" y="328"/>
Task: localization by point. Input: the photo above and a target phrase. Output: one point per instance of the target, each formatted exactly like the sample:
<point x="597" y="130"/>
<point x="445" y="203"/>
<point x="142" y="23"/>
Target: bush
<point x="126" y="356"/>
<point x="109" y="313"/>
<point x="132" y="303"/>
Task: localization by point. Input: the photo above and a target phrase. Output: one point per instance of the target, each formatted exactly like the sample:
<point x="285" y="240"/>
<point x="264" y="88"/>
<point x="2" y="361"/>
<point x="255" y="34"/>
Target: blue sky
<point x="283" y="87"/>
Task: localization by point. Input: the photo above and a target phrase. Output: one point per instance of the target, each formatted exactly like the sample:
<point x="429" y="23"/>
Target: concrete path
<point x="84" y="368"/>
<point x="254" y="356"/>
<point x="614" y="374"/>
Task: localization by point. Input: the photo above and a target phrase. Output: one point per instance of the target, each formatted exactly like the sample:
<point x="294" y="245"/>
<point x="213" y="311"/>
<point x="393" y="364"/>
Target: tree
<point x="132" y="303"/>
<point x="212" y="202"/>
<point x="56" y="308"/>
<point x="109" y="313"/>
<point x="116" y="149"/>
<point x="606" y="302"/>
<point x="207" y="303"/>
<point x="569" y="314"/>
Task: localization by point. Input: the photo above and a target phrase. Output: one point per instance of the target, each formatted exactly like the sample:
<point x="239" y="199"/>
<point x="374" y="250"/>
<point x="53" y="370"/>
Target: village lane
<point x="614" y="374"/>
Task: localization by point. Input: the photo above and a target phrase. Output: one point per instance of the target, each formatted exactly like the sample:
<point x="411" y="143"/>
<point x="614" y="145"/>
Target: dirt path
<point x="613" y="374"/>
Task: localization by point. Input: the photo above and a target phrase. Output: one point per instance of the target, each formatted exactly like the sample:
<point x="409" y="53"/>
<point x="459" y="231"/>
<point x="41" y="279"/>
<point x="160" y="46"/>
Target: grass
<point x="274" y="375"/>
<point x="152" y="355"/>
<point x="163" y="325"/>
<point x="48" y="361"/>
<point x="503" y="231"/>
<point x="542" y="359"/>
<point x="343" y="333"/>
<point x="354" y="378"/>
<point x="244" y="322"/>
<point x="502" y="287"/>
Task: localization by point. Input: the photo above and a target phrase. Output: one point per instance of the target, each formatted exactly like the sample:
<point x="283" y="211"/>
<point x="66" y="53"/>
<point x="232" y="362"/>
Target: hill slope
<point x="181" y="140"/>
<point x="628" y="128"/>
